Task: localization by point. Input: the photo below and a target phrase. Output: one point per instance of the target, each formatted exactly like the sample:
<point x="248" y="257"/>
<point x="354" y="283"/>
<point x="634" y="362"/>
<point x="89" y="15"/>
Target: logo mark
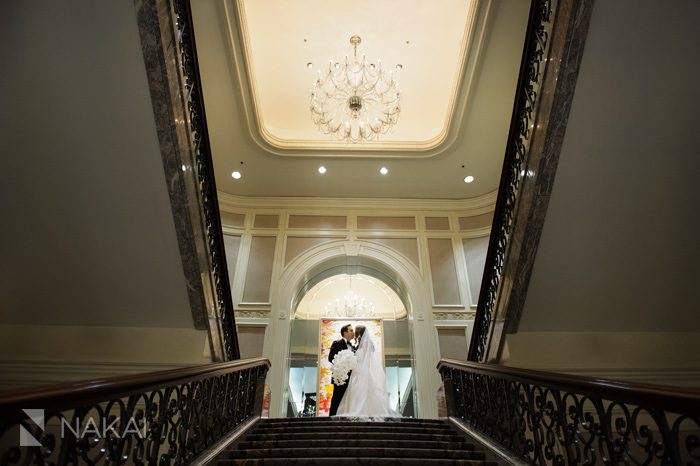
<point x="26" y="439"/>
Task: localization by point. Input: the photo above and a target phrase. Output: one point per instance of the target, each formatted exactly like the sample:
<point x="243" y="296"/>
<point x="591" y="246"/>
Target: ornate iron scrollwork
<point x="168" y="425"/>
<point x="548" y="424"/>
<point x="199" y="136"/>
<point x="524" y="113"/>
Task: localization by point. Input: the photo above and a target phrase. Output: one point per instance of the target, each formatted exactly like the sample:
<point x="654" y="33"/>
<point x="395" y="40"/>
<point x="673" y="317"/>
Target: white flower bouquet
<point x="343" y="363"/>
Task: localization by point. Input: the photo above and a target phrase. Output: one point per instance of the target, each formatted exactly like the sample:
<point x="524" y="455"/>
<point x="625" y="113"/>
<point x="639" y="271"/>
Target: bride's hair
<point x="359" y="332"/>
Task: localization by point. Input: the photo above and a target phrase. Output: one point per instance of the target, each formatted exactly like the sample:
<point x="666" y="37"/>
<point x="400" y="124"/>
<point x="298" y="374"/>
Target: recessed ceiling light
<point x="383" y="170"/>
<point x="236" y="175"/>
<point x="322" y="169"/>
<point x="468" y="179"/>
<point x="309" y="65"/>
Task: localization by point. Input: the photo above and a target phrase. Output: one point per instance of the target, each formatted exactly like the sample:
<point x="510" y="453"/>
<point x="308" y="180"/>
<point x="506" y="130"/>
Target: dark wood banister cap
<point x="69" y="395"/>
<point x="672" y="399"/>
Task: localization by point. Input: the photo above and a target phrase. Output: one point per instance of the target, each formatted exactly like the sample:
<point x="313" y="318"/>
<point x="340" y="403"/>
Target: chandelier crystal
<point x="350" y="305"/>
<point x="355" y="100"/>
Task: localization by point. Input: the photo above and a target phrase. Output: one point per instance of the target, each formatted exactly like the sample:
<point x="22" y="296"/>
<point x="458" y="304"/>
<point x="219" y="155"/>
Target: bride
<point x="366" y="394"/>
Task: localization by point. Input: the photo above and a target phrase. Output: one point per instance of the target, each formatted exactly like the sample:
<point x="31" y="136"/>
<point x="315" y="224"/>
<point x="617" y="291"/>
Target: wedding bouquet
<point x="343" y="363"/>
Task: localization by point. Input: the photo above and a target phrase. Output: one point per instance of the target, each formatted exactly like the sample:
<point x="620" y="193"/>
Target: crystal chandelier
<point x="355" y="100"/>
<point x="350" y="305"/>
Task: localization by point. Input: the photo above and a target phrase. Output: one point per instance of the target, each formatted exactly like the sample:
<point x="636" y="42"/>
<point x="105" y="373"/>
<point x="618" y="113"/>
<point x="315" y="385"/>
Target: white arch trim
<point x="294" y="275"/>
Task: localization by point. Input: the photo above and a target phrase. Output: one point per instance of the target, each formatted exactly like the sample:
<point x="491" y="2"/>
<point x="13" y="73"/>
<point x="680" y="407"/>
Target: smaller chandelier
<point x="355" y="100"/>
<point x="351" y="305"/>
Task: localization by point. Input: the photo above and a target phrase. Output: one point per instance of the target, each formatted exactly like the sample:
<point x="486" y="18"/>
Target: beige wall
<point x="399" y="232"/>
<point x="447" y="247"/>
<point x="41" y="354"/>
<point x="653" y="357"/>
<point x="615" y="280"/>
<point x="91" y="277"/>
<point x="453" y="342"/>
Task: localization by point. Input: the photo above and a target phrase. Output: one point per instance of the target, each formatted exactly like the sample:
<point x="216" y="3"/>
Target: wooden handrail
<point x="503" y="209"/>
<point x="172" y="416"/>
<point x="67" y="395"/>
<point x="668" y="398"/>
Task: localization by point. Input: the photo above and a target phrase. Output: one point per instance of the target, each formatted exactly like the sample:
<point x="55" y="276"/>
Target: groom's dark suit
<point x="338" y="390"/>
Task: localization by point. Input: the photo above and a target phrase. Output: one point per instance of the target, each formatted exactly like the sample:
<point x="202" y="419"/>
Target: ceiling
<point x="429" y="43"/>
<point x="619" y="248"/>
<point x="458" y="81"/>
<point x="328" y="299"/>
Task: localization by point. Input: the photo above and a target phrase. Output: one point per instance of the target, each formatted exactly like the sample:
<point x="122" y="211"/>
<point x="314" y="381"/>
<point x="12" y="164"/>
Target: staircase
<point x="336" y="441"/>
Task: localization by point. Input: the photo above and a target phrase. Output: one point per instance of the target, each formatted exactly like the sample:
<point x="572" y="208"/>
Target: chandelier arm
<point x="355" y="100"/>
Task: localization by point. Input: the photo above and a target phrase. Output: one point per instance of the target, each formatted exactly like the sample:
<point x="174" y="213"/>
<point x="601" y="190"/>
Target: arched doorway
<point x="353" y="258"/>
<point x="347" y="298"/>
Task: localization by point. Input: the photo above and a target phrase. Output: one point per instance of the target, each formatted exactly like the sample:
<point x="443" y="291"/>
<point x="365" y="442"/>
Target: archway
<point x="357" y="256"/>
<point x="337" y="300"/>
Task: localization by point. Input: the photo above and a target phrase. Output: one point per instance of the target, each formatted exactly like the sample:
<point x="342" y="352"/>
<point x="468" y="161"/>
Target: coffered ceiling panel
<point x="286" y="45"/>
<point x="457" y="83"/>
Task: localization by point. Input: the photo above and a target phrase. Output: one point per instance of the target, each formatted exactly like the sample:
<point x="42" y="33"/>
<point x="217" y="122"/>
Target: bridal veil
<point x="366" y="394"/>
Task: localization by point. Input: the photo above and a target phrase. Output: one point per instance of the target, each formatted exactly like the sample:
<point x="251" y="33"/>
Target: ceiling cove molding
<point x="465" y="207"/>
<point x="475" y="37"/>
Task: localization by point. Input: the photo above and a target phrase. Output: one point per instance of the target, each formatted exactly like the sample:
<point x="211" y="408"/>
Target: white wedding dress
<point x="366" y="395"/>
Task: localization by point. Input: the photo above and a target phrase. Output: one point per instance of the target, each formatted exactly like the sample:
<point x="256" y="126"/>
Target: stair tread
<point x="354" y="441"/>
<point x="339" y="452"/>
<point x="331" y="421"/>
<point x="326" y="425"/>
<point x="354" y="461"/>
<point x="356" y="435"/>
<point x="352" y="428"/>
<point x="460" y="444"/>
<point x="308" y="420"/>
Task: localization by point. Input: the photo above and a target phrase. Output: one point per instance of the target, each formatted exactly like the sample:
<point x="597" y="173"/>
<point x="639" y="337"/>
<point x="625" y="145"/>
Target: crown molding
<point x="469" y="63"/>
<point x="465" y="207"/>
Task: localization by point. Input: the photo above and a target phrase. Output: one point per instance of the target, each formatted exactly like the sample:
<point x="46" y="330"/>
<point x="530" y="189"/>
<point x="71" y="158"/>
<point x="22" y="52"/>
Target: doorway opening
<point x="327" y="302"/>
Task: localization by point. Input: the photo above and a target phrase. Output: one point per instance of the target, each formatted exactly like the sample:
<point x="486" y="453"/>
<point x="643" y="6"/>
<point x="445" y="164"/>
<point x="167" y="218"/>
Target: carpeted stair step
<point x="324" y="420"/>
<point x="354" y="461"/>
<point x="332" y="423"/>
<point x="387" y="435"/>
<point x="347" y="428"/>
<point x="387" y="451"/>
<point x="343" y="441"/>
<point x="456" y="444"/>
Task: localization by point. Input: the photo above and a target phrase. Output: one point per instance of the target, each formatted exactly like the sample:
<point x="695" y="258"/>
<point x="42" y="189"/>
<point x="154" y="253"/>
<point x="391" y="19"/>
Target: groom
<point x="348" y="333"/>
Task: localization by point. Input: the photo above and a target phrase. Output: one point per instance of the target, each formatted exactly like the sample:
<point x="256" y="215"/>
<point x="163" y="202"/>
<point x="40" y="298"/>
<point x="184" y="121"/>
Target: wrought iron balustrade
<point x="159" y="418"/>
<point x="192" y="94"/>
<point x="532" y="68"/>
<point x="557" y="419"/>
